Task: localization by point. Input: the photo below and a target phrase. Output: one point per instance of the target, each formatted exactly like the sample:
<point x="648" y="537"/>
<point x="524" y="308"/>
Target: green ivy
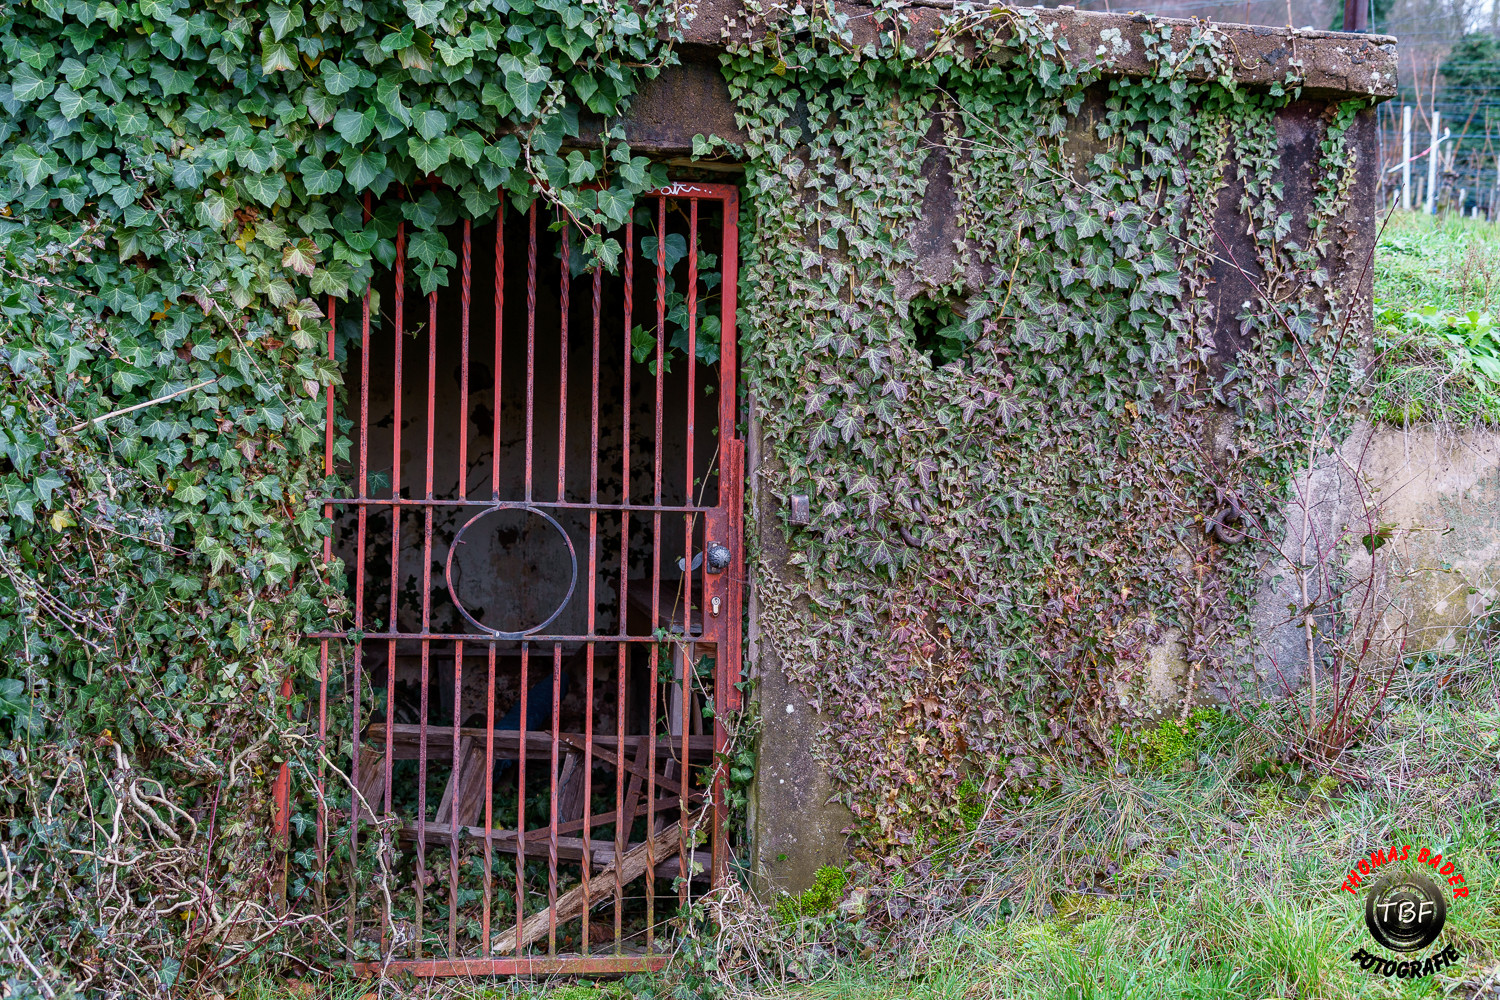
<point x="1004" y="529"/>
<point x="183" y="198"/>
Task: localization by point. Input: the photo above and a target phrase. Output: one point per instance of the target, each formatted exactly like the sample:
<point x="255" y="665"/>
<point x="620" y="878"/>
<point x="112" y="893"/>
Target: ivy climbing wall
<point x="1038" y="300"/>
<point x="1026" y="295"/>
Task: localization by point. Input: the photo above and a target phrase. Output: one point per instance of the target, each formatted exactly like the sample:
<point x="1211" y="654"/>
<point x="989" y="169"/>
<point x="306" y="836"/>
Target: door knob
<point x="719" y="557"/>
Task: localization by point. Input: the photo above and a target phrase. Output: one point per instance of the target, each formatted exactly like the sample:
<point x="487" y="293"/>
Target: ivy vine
<point x="1005" y="529"/>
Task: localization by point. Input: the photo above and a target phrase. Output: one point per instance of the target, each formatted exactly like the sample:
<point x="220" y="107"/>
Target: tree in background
<point x="1471" y="88"/>
<point x="1380" y="15"/>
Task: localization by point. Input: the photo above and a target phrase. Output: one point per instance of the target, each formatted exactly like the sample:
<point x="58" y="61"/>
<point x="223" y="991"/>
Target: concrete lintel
<point x="1332" y="63"/>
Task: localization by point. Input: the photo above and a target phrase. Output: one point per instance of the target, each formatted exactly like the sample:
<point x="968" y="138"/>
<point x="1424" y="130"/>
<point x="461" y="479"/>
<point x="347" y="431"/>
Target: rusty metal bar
<point x="687" y="573"/>
<point x="521" y="800"/>
<point x="361" y="517"/>
<point x="668" y="782"/>
<point x="640" y="508"/>
<point x="489" y="726"/>
<point x="552" y="801"/>
<point x="426" y="618"/>
<point x="466" y="294"/>
<point x="731" y="483"/>
<point x="570" y="965"/>
<point x="565" y="282"/>
<point x="390" y="659"/>
<point x="621" y="834"/>
<point x="592" y="607"/>
<point x="656" y="470"/>
<point x="530" y="341"/>
<point x="321" y="833"/>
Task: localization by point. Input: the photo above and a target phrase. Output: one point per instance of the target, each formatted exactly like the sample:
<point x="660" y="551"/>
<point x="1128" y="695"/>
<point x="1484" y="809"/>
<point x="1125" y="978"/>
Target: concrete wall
<point x="794" y="825"/>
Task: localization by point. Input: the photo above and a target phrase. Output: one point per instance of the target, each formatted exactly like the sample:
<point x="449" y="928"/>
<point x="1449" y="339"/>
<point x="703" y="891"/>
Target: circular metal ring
<point x="527" y="508"/>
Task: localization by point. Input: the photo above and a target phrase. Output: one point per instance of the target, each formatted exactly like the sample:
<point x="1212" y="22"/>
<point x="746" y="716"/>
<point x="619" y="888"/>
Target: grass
<point x="1208" y="862"/>
<point x="1447" y="262"/>
<point x="1437" y="289"/>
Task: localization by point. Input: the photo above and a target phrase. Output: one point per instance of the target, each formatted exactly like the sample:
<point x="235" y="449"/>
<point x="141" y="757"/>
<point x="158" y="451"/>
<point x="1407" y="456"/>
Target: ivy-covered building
<point x="478" y="474"/>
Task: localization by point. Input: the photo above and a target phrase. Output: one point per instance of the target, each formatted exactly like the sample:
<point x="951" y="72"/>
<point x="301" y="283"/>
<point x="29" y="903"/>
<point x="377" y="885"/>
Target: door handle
<point x="719" y="557"/>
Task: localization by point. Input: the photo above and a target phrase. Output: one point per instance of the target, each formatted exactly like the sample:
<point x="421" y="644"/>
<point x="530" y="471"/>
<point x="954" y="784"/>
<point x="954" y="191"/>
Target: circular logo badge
<point x="1405" y="911"/>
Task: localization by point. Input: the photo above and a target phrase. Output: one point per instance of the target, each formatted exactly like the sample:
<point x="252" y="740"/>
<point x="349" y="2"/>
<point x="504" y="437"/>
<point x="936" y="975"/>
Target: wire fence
<point x="1437" y="90"/>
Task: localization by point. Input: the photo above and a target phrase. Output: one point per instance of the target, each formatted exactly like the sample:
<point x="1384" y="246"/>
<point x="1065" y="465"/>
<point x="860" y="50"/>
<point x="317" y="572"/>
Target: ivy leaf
<point x="580" y="168"/>
<point x="467" y="145"/>
<point x="427" y="246"/>
<point x="319" y="179"/>
<point x="301" y="256"/>
<point x="615" y="205"/>
<point x="525" y="82"/>
<point x="34" y="167"/>
<point x="69" y="101"/>
<point x="353" y="127"/>
<point x="430" y="123"/>
<point x="424" y="12"/>
<point x="190" y="493"/>
<point x="276" y="57"/>
<point x="173" y="80"/>
<point x="388" y="94"/>
<point x="504" y="153"/>
<point x="321" y="106"/>
<point x="264" y="188"/>
<point x="363" y="168"/>
<point x="26" y="84"/>
<point x="214" y="209"/>
<point x="45" y="482"/>
<point x="283" y="19"/>
<point x="339" y="77"/>
<point x="428" y="156"/>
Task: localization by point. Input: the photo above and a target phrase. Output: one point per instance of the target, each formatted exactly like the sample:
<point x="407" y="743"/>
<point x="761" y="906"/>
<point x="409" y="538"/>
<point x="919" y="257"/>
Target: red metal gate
<point x="545" y="583"/>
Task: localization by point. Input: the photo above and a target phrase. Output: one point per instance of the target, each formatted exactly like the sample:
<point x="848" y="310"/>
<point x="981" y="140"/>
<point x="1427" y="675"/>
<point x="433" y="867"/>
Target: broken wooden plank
<point x="570" y="788"/>
<point x="631" y="865"/>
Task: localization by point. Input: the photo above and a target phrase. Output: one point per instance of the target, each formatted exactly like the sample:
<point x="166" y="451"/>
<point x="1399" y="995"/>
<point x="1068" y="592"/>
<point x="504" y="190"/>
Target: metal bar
<point x="359" y="603"/>
<point x="453" y="779"/>
<point x="535" y="637"/>
<point x="530" y="340"/>
<point x="521" y="789"/>
<point x="328" y="432"/>
<point x="489" y="701"/>
<point x="390" y="659"/>
<point x="552" y="801"/>
<point x="465" y="292"/>
<point x="564" y="295"/>
<point x="562" y="964"/>
<point x="656" y="470"/>
<point x="589" y="623"/>
<point x="466" y="287"/>
<point x="731" y="485"/>
<point x="489" y="801"/>
<point x="730" y="492"/>
<point x="496" y="392"/>
<point x="426" y="615"/>
<point x="621" y="834"/>
<point x="565" y="282"/>
<point x="643" y="508"/>
<point x="687" y="572"/>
